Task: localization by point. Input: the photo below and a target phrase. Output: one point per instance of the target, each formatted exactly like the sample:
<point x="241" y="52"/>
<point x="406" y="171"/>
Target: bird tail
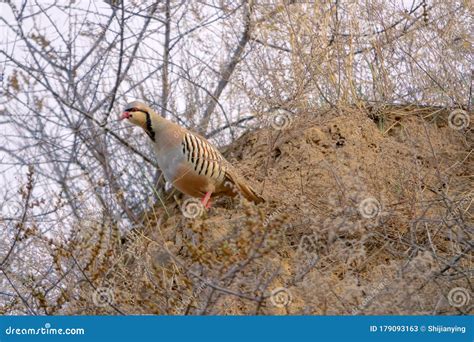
<point x="245" y="189"/>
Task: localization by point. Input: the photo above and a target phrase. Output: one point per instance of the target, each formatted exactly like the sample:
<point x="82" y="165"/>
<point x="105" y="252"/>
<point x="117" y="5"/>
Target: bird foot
<point x="206" y="200"/>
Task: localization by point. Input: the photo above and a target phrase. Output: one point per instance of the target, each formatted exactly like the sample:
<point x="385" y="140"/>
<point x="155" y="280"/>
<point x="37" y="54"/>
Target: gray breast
<point x="169" y="162"/>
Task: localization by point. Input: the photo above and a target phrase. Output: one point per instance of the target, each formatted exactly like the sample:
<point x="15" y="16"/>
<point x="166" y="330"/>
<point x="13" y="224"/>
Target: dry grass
<point x="369" y="203"/>
<point x="401" y="254"/>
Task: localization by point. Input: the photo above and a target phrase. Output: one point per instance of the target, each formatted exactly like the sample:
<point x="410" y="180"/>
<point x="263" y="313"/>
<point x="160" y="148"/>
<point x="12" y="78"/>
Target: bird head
<point x="137" y="113"/>
<point x="141" y="115"/>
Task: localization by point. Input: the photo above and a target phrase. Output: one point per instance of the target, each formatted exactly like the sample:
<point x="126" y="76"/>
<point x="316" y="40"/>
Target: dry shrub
<point x="369" y="202"/>
<point x="360" y="219"/>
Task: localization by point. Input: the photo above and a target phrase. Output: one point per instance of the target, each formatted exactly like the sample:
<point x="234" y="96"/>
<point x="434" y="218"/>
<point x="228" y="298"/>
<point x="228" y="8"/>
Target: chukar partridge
<point x="188" y="161"/>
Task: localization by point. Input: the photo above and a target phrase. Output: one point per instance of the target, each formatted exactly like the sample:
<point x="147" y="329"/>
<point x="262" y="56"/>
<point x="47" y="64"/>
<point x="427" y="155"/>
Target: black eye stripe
<point x="136" y="110"/>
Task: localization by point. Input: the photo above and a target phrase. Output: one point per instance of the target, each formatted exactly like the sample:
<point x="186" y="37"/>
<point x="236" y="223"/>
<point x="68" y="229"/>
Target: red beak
<point x="125" y="115"/>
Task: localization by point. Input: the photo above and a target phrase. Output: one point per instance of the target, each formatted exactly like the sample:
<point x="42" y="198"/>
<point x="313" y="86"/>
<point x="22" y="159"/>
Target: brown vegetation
<point x="400" y="254"/>
<point x="354" y="120"/>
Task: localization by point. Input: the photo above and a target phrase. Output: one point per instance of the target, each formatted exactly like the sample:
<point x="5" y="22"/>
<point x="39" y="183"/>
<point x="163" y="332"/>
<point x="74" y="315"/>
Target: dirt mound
<point x="365" y="214"/>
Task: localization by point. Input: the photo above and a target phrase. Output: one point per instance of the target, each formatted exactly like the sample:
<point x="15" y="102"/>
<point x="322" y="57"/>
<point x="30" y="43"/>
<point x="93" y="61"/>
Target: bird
<point x="187" y="160"/>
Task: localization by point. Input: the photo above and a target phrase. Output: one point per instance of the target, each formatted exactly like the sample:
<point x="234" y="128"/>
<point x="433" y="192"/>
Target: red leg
<point x="206" y="200"/>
